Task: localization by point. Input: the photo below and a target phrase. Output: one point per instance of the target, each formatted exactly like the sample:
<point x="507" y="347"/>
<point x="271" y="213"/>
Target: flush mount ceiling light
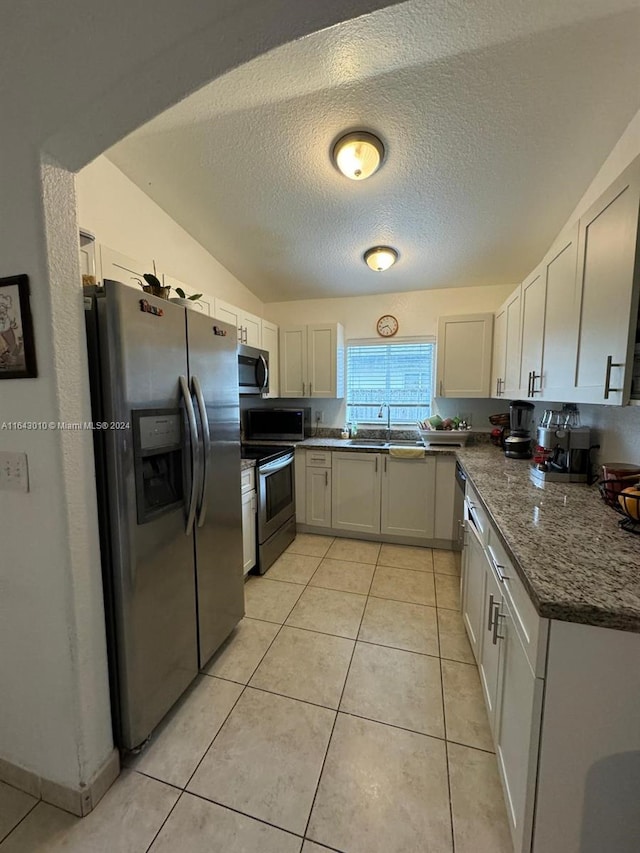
<point x="358" y="155"/>
<point x="380" y="258"/>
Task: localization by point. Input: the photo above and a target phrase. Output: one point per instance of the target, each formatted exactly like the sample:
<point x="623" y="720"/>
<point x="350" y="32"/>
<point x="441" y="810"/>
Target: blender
<point x="517" y="445"/>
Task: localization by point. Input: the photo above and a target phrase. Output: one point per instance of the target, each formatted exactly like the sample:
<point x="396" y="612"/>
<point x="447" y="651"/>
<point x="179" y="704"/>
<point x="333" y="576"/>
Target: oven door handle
<point x="206" y="443"/>
<point x="276" y="465"/>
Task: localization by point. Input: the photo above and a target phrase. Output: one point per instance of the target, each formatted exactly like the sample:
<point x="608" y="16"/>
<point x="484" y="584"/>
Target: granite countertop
<point x="577" y="564"/>
<point x="247" y="463"/>
<point x="345" y="444"/>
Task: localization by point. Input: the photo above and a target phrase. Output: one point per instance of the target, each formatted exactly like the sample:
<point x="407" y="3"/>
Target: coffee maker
<point x="517" y="445"/>
<point x="562" y="455"/>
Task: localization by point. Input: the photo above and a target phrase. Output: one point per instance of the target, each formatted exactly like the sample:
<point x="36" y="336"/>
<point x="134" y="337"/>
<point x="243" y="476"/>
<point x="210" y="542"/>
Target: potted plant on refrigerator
<point x="183" y="299"/>
<point x="153" y="285"/>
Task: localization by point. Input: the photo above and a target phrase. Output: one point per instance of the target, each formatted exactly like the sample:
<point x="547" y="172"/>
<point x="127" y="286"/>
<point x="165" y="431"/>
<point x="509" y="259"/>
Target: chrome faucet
<point x="388" y="418"/>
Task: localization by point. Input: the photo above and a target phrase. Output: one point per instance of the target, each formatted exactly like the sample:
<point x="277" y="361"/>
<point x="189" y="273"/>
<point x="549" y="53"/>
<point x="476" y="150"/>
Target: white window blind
<point x="397" y="374"/>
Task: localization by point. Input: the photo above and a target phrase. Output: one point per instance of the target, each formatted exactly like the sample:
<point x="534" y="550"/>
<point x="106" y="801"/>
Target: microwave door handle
<point x="195" y="454"/>
<point x="206" y="443"/>
<point x="262" y="368"/>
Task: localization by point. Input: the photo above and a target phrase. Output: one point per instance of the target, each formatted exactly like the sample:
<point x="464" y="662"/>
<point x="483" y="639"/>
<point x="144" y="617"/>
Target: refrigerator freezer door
<point x="213" y="368"/>
<point x="143" y="353"/>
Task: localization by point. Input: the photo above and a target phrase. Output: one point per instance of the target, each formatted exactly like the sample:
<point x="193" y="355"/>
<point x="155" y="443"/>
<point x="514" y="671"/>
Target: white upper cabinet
<point x="608" y="286"/>
<point x="464" y="355"/>
<point x="506" y="348"/>
<point x="532" y="332"/>
<point x="118" y="267"/>
<point x="312" y="361"/>
<point x="293" y="361"/>
<point x="248" y="325"/>
<point x="560" y="319"/>
<point x="498" y="367"/>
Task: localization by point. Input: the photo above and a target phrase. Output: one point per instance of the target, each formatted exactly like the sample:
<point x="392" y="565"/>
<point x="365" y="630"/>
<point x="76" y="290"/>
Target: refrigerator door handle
<point x="206" y="442"/>
<point x="195" y="454"/>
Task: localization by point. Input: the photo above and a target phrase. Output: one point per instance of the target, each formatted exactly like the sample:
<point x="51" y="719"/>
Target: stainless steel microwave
<point x="253" y="370"/>
<point x="277" y="424"/>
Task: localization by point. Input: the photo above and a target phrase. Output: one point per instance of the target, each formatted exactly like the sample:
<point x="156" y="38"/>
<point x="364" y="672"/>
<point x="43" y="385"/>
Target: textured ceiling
<point x="496" y="115"/>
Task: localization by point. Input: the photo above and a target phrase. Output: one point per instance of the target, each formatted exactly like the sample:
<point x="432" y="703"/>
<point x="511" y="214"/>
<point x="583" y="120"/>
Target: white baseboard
<point x="79" y="801"/>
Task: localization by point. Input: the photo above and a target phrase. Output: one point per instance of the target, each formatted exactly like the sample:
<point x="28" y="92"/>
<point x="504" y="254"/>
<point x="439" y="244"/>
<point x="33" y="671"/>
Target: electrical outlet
<point x="14" y="475"/>
<point x="319" y="416"/>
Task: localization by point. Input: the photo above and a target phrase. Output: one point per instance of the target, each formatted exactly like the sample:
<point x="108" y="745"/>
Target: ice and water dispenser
<point x="158" y="449"/>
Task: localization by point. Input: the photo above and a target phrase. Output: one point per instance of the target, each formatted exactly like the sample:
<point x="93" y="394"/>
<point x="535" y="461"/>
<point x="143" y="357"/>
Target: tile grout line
<point x="24" y="817"/>
<point x="162" y="825"/>
<point x="240" y="695"/>
<point x="444" y="719"/>
<point x="335" y="720"/>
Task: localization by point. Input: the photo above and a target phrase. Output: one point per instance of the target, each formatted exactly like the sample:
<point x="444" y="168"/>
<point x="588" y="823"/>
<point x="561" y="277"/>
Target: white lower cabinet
<point x="562" y="700"/>
<point x="489" y="663"/>
<point x="517" y="715"/>
<point x="249" y="508"/>
<point x="408" y="497"/>
<point x="318" y="497"/>
<point x="473" y="585"/>
<point x="355" y="492"/>
<point x="500" y="635"/>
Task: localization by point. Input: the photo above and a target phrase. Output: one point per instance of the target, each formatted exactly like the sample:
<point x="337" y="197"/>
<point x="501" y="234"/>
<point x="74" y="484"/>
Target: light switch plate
<point x="14" y="473"/>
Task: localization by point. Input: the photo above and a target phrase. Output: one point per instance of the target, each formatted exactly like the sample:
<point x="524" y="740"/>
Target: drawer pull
<point x="326" y="477"/>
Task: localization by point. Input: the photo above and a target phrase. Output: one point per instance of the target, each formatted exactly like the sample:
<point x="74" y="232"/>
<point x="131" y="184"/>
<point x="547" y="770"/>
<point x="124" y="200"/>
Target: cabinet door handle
<point x="326" y="478"/>
<point x="529" y="385"/>
<point x="607" y="378"/>
<point x="376" y="464"/>
<point x="535" y="376"/>
<point x="490" y="620"/>
<point x="310" y="390"/>
<point x="441" y="387"/>
<point x="385" y="464"/>
<point x="500" y="387"/>
<point x="304" y="385"/>
<point x="497" y="387"/>
<point x="497" y="615"/>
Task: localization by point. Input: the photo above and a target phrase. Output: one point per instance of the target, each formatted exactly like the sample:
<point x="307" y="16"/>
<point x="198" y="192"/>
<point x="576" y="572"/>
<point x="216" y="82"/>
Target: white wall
<point x="417" y="313"/>
<point x="122" y="217"/>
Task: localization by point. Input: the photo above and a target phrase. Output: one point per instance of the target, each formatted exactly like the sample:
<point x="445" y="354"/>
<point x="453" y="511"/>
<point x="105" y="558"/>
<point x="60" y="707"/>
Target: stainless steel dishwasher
<point x="458" y="507"/>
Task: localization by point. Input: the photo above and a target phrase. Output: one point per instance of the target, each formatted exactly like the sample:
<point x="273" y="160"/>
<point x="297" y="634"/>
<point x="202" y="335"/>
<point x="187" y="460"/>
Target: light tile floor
<point x="343" y="714"/>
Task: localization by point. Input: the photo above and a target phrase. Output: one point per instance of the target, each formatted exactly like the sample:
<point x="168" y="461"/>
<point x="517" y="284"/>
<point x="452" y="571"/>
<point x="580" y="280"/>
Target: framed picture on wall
<point x="17" y="348"/>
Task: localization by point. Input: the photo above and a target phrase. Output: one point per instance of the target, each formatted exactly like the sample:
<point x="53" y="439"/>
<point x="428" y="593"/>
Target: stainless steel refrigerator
<point x="164" y="385"/>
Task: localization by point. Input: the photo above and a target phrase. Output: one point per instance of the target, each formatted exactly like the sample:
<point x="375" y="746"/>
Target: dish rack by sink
<point x="611" y="491"/>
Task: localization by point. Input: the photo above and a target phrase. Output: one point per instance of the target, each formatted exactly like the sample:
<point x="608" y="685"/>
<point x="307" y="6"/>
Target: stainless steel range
<point x="276" y="528"/>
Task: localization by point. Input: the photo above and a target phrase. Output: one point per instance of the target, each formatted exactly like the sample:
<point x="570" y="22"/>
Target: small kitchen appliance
<point x="562" y="454"/>
<point x="517" y="445"/>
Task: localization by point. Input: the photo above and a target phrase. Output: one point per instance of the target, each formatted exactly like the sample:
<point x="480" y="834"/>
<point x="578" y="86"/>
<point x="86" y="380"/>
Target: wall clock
<point x="387" y="325"/>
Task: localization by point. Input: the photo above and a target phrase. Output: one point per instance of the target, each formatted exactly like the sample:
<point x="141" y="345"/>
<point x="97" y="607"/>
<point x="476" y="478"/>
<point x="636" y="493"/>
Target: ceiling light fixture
<point x="380" y="258"/>
<point x="358" y="155"/>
